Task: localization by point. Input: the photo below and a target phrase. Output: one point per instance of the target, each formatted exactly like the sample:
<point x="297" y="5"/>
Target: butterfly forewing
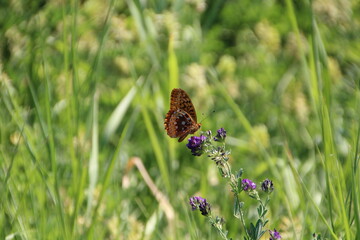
<point x="181" y="120"/>
<point x="181" y="100"/>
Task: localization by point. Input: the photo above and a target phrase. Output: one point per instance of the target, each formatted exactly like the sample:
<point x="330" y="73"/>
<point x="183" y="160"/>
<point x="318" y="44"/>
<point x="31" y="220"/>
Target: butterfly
<point x="181" y="120"/>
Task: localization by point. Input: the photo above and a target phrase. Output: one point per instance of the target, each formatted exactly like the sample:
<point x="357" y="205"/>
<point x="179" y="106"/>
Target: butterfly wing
<point x="181" y="119"/>
<point x="180" y="125"/>
<point x="181" y="100"/>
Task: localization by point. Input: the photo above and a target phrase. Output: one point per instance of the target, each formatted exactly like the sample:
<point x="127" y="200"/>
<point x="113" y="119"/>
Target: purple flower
<point x="267" y="186"/>
<point x="221" y="135"/>
<point x="201" y="204"/>
<point x="248" y="184"/>
<point x="196" y="145"/>
<point x="274" y="235"/>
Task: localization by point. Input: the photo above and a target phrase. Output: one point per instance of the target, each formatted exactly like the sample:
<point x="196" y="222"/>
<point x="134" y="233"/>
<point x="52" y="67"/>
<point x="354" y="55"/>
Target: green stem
<point x="228" y="168"/>
<point x="220" y="230"/>
<point x="263" y="216"/>
<point x="243" y="223"/>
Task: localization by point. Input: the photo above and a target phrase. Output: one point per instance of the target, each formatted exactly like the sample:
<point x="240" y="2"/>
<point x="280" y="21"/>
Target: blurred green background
<point x="85" y="86"/>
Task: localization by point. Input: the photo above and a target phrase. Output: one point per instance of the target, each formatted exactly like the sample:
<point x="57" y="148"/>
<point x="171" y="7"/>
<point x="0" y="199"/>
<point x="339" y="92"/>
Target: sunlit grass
<point x="84" y="91"/>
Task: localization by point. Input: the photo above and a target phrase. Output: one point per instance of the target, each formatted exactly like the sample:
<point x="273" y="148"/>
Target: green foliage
<point x="84" y="88"/>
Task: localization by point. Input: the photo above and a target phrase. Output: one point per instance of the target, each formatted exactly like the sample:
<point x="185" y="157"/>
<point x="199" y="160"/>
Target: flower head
<point x="201" y="204"/>
<point x="196" y="145"/>
<point x="221" y="135"/>
<point x="274" y="235"/>
<point x="267" y="186"/>
<point x="247" y="184"/>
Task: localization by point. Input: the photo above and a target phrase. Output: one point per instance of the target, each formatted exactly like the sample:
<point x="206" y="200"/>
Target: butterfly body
<point x="181" y="119"/>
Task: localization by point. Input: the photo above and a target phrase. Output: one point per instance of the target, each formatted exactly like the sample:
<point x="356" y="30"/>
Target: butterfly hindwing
<point x="180" y="123"/>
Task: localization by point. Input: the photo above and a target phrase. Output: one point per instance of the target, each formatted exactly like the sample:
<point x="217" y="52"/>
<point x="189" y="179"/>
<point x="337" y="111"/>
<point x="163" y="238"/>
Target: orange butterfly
<point x="181" y="120"/>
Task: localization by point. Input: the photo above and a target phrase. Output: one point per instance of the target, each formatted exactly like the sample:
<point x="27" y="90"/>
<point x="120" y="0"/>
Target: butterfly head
<point x="195" y="127"/>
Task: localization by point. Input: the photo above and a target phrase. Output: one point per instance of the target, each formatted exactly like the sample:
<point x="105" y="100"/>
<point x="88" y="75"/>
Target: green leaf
<point x="266" y="221"/>
<point x="258" y="230"/>
<point x="237" y="208"/>
<point x="239" y="188"/>
<point x="239" y="173"/>
<point x="252" y="231"/>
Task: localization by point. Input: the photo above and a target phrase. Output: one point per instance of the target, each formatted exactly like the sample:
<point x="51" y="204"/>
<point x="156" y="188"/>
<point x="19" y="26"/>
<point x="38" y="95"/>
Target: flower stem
<point x="218" y="227"/>
<point x="243" y="223"/>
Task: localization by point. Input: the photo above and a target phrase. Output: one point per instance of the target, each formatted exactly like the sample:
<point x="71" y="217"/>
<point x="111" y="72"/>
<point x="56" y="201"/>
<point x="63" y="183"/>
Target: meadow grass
<point x="85" y="86"/>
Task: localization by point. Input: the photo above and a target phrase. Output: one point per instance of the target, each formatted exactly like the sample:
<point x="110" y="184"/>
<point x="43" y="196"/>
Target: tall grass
<point x="85" y="87"/>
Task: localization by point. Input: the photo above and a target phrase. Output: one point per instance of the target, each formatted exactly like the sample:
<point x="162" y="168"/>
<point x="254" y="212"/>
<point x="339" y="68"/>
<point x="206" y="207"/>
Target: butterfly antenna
<point x="206" y="116"/>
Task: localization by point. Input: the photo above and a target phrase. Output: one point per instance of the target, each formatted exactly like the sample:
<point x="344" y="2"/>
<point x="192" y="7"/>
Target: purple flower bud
<point x="221" y="135"/>
<point x="196" y="145"/>
<point x="267" y="186"/>
<point x="247" y="184"/>
<point x="201" y="204"/>
<point x="274" y="235"/>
